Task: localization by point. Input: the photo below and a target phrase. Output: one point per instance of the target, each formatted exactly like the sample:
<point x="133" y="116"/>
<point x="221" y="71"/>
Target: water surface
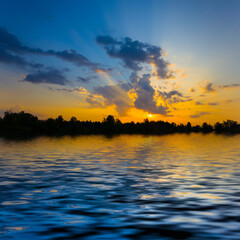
<point x="127" y="187"/>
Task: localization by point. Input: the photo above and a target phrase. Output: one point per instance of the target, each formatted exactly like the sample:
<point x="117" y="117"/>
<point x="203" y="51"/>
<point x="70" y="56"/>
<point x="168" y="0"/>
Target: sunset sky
<point x="166" y="60"/>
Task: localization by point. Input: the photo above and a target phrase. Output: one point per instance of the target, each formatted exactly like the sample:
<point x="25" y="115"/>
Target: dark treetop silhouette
<point x="24" y="124"/>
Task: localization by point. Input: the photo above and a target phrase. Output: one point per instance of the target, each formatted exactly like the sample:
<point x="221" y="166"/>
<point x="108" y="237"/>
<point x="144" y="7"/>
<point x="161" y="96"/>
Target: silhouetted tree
<point x="207" y="127"/>
<point x="218" y="127"/>
<point x="73" y="119"/>
<point x="230" y="124"/>
<point x="59" y="119"/>
<point x="188" y="127"/>
<point x="25" y="123"/>
<point x="109" y="123"/>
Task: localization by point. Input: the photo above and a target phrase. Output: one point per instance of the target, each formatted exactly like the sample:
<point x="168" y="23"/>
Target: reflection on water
<point x="126" y="187"/>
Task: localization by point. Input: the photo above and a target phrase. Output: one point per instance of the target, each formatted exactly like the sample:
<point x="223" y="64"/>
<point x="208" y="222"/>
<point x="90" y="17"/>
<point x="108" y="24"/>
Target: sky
<point x="169" y="60"/>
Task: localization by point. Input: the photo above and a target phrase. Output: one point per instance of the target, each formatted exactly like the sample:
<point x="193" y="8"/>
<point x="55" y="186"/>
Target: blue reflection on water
<point x="126" y="187"/>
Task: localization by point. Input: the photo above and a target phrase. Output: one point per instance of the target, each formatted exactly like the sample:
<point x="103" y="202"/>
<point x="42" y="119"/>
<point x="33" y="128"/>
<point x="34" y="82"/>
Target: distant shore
<point x="25" y="124"/>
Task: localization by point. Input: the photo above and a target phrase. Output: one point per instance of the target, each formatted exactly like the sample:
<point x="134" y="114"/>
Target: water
<point x="127" y="187"/>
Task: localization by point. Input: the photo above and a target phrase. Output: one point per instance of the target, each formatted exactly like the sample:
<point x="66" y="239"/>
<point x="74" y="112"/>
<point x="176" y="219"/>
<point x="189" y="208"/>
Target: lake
<point x="179" y="186"/>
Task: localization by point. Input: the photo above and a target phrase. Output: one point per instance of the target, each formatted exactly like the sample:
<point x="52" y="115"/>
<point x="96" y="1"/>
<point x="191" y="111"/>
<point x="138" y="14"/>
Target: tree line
<point x="23" y="124"/>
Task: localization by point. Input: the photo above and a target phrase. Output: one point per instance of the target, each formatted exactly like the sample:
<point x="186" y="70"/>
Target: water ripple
<point x="127" y="187"/>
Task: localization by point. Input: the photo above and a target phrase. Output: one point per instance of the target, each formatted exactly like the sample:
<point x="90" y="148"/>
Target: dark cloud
<point x="86" y="79"/>
<point x="145" y="95"/>
<point x="9" y="58"/>
<point x="234" y="85"/>
<point x="213" y="103"/>
<point x="73" y="57"/>
<point x="11" y="43"/>
<point x="173" y="97"/>
<point x="192" y="90"/>
<point x="208" y="87"/>
<point x="134" y="54"/>
<point x="198" y="103"/>
<point x="106" y="40"/>
<point x="61" y="89"/>
<point x="52" y="76"/>
<point x="172" y="93"/>
<point x="12" y="50"/>
<point x="199" y="114"/>
<point x="82" y="79"/>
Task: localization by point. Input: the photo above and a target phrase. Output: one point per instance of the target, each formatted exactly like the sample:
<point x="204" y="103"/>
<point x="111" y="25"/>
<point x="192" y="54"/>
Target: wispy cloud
<point x="86" y="79"/>
<point x="83" y="79"/>
<point x="198" y="103"/>
<point x="116" y="95"/>
<point x="234" y="85"/>
<point x="213" y="103"/>
<point x="199" y="114"/>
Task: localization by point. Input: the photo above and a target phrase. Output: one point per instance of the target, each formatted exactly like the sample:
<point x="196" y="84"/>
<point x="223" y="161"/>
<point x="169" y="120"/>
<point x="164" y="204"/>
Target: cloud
<point x="116" y="95"/>
<point x="234" y="85"/>
<point x="11" y="43"/>
<point x="93" y="102"/>
<point x="7" y="57"/>
<point x="173" y="97"/>
<point x="62" y="89"/>
<point x="198" y="103"/>
<point x="80" y="90"/>
<point x="145" y="95"/>
<point x="106" y="40"/>
<point x="139" y="94"/>
<point x="172" y="93"/>
<point x="52" y="76"/>
<point x="135" y="53"/>
<point x="84" y="80"/>
<point x="192" y="90"/>
<point x="208" y="88"/>
<point x="213" y="103"/>
<point x="73" y="57"/>
<point x="12" y="51"/>
<point x="199" y="114"/>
